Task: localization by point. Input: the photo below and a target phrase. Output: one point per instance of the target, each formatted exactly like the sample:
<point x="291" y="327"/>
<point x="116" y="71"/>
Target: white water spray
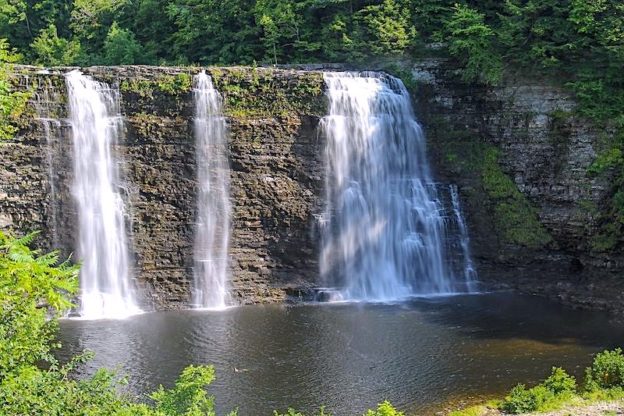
<point x="212" y="232"/>
<point x="105" y="277"/>
<point x="383" y="227"/>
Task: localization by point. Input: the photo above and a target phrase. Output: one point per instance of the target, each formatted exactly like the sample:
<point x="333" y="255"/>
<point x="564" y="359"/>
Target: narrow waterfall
<point x="212" y="232"/>
<point x="105" y="276"/>
<point x="51" y="130"/>
<point x="384" y="228"/>
<point x="469" y="271"/>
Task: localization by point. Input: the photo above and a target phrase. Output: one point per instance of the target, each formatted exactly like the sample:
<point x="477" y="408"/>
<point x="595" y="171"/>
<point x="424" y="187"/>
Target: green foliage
<point x="91" y="22"/>
<point x="471" y="41"/>
<point x="608" y="159"/>
<point x="167" y="84"/>
<point x="606" y="371"/>
<point x="384" y="409"/>
<point x="280" y="23"/>
<point x="188" y="396"/>
<point x="121" y="47"/>
<point x="31" y="287"/>
<point x="384" y="29"/>
<point x="550" y="394"/>
<point x="293" y="412"/>
<point x="523" y="400"/>
<point x="559" y="382"/>
<point x="604" y="381"/>
<point x="470" y="411"/>
<point x="259" y="93"/>
<point x="215" y="31"/>
<point x="12" y="103"/>
<point x="51" y="50"/>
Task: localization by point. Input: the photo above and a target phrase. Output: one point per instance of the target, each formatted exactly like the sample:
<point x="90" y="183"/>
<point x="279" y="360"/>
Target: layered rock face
<point x="521" y="157"/>
<point x="518" y="154"/>
<point x="276" y="161"/>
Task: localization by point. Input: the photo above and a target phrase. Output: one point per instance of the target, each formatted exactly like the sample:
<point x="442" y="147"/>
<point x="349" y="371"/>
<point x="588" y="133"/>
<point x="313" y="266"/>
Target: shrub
<point x="559" y="382"/>
<point x="519" y="400"/>
<point x="384" y="409"/>
<point x="558" y="387"/>
<point x="606" y="371"/>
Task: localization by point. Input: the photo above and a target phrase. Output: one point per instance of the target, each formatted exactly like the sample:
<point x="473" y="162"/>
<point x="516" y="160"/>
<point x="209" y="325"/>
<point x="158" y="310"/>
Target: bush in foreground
<point x="606" y="371"/>
<point x="604" y="380"/>
<point x="557" y="388"/>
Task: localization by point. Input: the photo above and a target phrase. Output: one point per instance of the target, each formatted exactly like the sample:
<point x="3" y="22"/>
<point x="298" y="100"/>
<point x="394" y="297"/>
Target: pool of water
<point x="421" y="355"/>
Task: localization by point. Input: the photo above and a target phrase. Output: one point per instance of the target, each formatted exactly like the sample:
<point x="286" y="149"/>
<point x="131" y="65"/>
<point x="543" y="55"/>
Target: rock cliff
<point x="518" y="152"/>
<point x="521" y="157"/>
<point x="276" y="174"/>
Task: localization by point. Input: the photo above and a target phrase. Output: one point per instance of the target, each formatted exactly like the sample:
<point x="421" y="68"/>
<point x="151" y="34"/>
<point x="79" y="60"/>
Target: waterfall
<point x="105" y="276"/>
<point x="384" y="228"/>
<point x="212" y="232"/>
<point x="469" y="271"/>
<point x="51" y="130"/>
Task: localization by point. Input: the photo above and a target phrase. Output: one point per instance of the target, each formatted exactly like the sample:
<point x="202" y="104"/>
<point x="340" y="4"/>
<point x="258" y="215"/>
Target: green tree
<point x="384" y="29"/>
<point x="91" y="21"/>
<point x="121" y="47"/>
<point x="280" y="23"/>
<point x="472" y="42"/>
<point x="537" y="33"/>
<point x="154" y="30"/>
<point x="215" y="31"/>
<point x="51" y="50"/>
<point x="21" y="21"/>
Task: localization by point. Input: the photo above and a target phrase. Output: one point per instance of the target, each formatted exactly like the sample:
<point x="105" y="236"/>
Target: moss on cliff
<point x="513" y="214"/>
<point x="264" y="92"/>
<point x="167" y="84"/>
<point x="515" y="219"/>
<point x="15" y="114"/>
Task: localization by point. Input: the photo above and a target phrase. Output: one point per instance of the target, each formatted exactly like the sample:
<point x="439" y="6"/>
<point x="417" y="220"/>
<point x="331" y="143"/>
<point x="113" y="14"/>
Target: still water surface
<point x="420" y="355"/>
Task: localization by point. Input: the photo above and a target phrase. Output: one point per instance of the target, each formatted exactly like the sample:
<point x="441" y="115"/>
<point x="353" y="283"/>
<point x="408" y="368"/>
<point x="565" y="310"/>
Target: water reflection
<point x="348" y="357"/>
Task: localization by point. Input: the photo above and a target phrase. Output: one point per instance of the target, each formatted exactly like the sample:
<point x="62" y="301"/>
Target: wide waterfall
<point x="212" y="232"/>
<point x="384" y="226"/>
<point x="105" y="276"/>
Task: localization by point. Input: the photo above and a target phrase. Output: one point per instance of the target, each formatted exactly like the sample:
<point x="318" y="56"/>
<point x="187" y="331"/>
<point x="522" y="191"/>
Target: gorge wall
<point x="521" y="157"/>
<point x="275" y="154"/>
<point x="518" y="154"/>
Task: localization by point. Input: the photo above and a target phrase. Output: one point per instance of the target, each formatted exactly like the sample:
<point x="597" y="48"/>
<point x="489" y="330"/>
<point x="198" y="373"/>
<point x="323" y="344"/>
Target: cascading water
<point x="105" y="277"/>
<point x="212" y="232"/>
<point x="384" y="228"/>
<point x="51" y="129"/>
<point x="469" y="271"/>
